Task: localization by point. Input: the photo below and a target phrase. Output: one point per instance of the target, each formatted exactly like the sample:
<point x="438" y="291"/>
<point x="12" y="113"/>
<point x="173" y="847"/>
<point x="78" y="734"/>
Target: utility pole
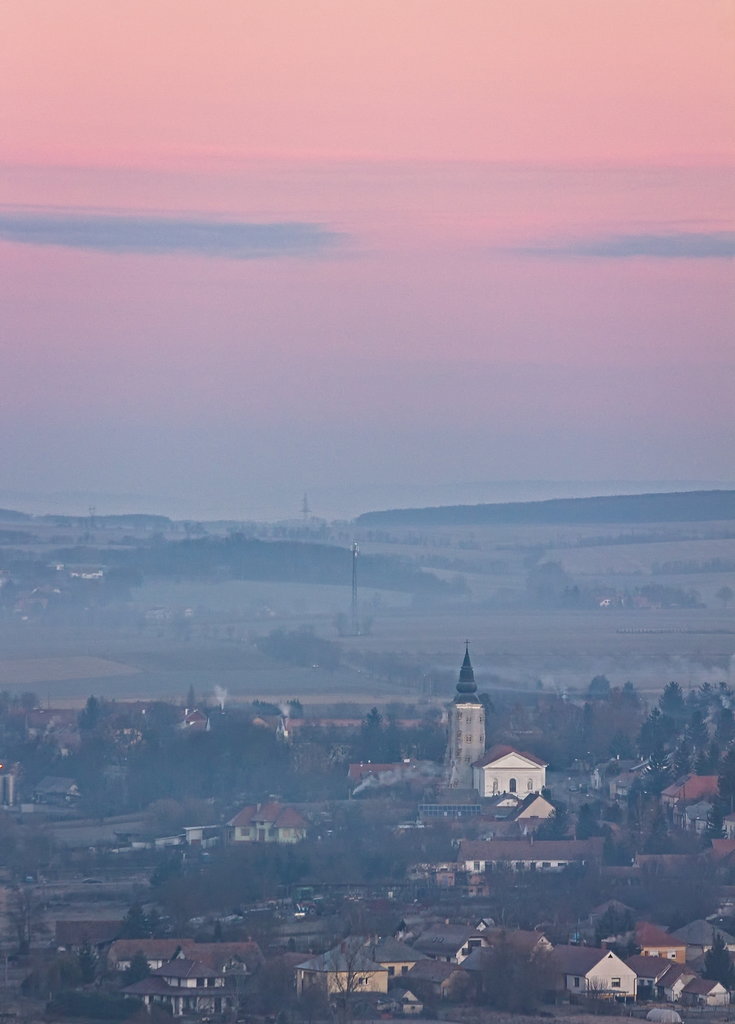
<point x="355" y="617"/>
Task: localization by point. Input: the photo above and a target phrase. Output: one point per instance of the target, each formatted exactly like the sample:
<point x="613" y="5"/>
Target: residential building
<point x="343" y="971"/>
<point x="699" y="936"/>
<point x="267" y="823"/>
<point x="585" y="970"/>
<point x="184" y="986"/>
<point x="656" y="941"/>
<point x="524" y="854"/>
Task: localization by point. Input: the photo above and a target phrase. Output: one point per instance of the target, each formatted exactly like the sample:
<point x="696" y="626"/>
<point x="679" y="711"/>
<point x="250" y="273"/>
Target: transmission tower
<point x="355" y="616"/>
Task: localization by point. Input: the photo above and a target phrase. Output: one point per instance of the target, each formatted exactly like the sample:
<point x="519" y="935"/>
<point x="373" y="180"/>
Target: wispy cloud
<point x="688" y="245"/>
<point x="157" y="235"/>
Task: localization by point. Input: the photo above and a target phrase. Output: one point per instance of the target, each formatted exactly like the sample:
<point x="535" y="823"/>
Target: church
<point x="491" y="773"/>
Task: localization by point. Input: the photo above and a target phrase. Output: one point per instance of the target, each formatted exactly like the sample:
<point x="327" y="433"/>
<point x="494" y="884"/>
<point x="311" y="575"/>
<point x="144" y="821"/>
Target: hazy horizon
<point x="330" y="505"/>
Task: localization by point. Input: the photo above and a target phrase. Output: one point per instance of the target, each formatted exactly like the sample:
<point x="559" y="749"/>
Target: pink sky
<point x="512" y="252"/>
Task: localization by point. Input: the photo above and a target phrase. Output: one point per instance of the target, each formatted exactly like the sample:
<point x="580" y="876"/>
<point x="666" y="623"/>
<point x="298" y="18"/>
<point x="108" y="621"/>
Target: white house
<point x="504" y="769"/>
<point x="589" y="971"/>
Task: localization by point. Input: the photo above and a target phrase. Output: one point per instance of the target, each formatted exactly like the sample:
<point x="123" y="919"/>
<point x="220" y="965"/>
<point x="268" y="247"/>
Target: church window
<point x="513" y="786"/>
<point x="530" y="785"/>
<point x="495" y="786"/>
<point x="468" y="738"/>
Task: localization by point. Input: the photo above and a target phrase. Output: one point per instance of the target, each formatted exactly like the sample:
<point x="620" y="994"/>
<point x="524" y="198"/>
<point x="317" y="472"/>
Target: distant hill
<point x="9" y="515"/>
<point x="245" y="558"/>
<point x="679" y="507"/>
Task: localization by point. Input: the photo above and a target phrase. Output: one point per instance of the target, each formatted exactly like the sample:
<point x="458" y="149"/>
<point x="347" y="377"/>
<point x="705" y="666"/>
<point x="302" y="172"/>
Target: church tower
<point x="466" y="728"/>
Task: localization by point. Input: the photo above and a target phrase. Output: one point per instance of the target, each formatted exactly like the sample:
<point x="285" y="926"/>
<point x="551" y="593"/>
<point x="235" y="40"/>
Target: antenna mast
<point x="355" y="618"/>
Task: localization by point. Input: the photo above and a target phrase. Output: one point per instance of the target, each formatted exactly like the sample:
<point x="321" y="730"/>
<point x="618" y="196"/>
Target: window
<point x="672" y="954"/>
<point x="545" y="863"/>
<point x="495" y="787"/>
<point x="513" y="786"/>
<point x="529" y="787"/>
<point x="404" y="968"/>
<point x="391" y="970"/>
<point x="615" y="982"/>
<point x="468" y="738"/>
<point x="576" y="982"/>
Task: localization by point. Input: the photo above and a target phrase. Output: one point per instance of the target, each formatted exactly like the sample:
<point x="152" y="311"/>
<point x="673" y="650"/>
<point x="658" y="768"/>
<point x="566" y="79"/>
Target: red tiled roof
<point x="501" y="750"/>
<point x="692" y="787"/>
<point x="274" y="814"/>
<point x="647" y="934"/>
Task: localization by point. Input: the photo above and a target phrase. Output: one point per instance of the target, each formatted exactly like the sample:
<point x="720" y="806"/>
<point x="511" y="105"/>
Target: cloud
<point x="689" y="245"/>
<point x="166" y="235"/>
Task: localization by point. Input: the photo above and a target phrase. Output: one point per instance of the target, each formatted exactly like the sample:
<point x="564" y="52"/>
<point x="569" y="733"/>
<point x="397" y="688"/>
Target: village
<point x="200" y="860"/>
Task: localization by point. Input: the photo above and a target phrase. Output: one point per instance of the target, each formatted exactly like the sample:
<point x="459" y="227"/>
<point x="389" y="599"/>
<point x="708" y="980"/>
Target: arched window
<point x="495" y="786"/>
<point x="530" y="785"/>
<point x="513" y="786"/>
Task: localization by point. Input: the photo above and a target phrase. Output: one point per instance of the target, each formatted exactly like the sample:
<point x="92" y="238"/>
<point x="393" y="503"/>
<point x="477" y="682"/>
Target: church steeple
<point x="466" y="687"/>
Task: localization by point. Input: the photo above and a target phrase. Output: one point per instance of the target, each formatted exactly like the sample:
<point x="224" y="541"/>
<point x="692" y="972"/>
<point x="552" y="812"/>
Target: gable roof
<point x="691" y="787"/>
<point x="647" y="934"/>
<point x="274" y="814"/>
<point x="702" y="933"/>
<point x="653" y="967"/>
<point x="389" y="950"/>
<point x="580" y="960"/>
<point x="181" y="967"/>
<point x="340" y="959"/>
<point x="445" y="940"/>
<point x="501" y="750"/>
<point x="432" y="970"/>
<point x="702" y="986"/>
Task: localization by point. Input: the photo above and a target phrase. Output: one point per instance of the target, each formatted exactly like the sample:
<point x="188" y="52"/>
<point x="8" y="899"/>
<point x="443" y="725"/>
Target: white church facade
<point x="504" y="769"/>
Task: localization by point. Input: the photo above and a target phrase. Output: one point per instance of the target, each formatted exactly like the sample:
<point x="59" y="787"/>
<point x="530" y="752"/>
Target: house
<point x="674" y="981"/>
<point x="219" y="956"/>
<point x="526" y="946"/>
<point x="524" y="854"/>
<point x="437" y="979"/>
<point x="344" y="970"/>
<point x="410" y="1005"/>
<point x="693" y="817"/>
<point x="9" y="774"/>
<point x="649" y="971"/>
<point x="450" y="943"/>
<point x="585" y="970"/>
<point x="688" y="790"/>
<point x="503" y="769"/>
<point x="267" y="823"/>
<point x="183" y="986"/>
<point x="656" y="941"/>
<point x="699" y="936"/>
<point x="56" y="791"/>
<point x="704" y="992"/>
<point x="395" y="956"/>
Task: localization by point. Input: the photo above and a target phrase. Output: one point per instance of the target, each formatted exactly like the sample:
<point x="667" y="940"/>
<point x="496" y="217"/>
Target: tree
<point x="139" y="968"/>
<point x="87" y="960"/>
<point x="717" y="963"/>
<point x="672" y="702"/>
<point x="557" y="826"/>
<point x="725" y="595"/>
<point x="512" y="979"/>
<point x="599" y="688"/>
<point x="135" y="924"/>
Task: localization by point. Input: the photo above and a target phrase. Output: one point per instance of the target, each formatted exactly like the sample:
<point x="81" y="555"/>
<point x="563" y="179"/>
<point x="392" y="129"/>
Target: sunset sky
<point x="379" y="251"/>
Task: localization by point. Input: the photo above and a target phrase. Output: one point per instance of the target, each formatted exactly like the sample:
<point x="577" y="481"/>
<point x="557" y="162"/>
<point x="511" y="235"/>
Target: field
<point x="178" y="634"/>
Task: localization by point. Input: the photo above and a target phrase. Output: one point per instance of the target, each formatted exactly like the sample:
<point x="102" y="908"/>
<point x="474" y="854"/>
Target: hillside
<point x="679" y="507"/>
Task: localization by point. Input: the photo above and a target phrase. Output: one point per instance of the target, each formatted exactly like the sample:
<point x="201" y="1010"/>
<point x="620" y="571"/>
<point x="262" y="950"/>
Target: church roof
<point x="466" y="686"/>
<point x="500" y="751"/>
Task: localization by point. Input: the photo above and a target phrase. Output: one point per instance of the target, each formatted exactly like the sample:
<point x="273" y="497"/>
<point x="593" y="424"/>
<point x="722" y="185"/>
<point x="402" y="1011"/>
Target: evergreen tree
<point x="135" y="924"/>
<point x="671" y="703"/>
<point x="87" y="961"/>
<point x="724" y="727"/>
<point x="139" y="968"/>
<point x="726" y="781"/>
<point x="697" y="733"/>
<point x="717" y="963"/>
<point x="557" y="826"/>
<point x="682" y="759"/>
<point x="658" y="773"/>
<point x="715" y="820"/>
<point x="587" y="823"/>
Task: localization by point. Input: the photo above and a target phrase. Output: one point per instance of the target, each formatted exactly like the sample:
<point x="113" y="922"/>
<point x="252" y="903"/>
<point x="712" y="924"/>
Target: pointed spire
<point x="466" y="687"/>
